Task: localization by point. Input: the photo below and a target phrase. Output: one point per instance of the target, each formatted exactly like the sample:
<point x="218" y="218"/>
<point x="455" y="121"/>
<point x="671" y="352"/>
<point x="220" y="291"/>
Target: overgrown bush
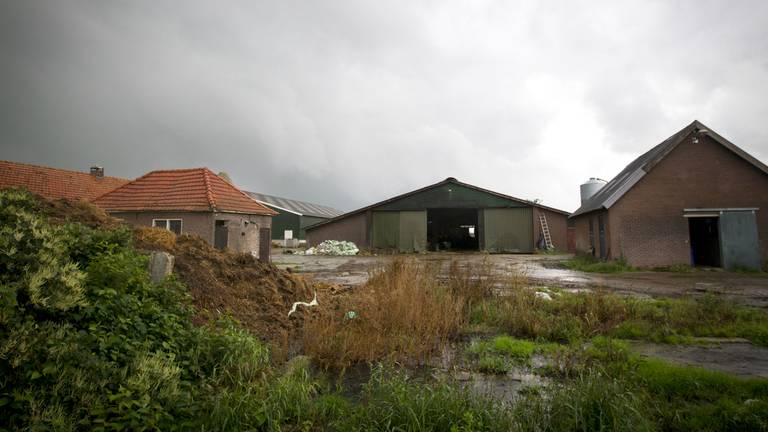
<point x="87" y="342"/>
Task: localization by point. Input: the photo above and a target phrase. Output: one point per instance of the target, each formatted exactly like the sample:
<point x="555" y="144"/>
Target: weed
<point x="674" y="268"/>
<point x="403" y="312"/>
<point x="592" y="401"/>
<point x="394" y="401"/>
<point x="590" y="264"/>
<point x="689" y="398"/>
<point x="493" y="364"/>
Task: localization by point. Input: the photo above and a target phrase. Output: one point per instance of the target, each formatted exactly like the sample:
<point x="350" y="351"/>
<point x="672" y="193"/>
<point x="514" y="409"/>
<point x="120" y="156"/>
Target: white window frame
<point x="168" y="224"/>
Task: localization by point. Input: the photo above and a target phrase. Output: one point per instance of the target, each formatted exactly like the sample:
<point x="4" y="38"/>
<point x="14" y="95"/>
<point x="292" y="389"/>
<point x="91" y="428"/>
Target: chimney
<point x="97" y="171"/>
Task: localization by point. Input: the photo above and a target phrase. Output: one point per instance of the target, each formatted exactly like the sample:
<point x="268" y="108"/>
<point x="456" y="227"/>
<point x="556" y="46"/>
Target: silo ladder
<point x="545" y="231"/>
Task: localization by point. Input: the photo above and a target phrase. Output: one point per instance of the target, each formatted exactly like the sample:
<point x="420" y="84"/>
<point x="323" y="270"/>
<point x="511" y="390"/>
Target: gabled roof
<point x="194" y="189"/>
<point x="54" y="183"/>
<point x="449" y="180"/>
<point x="301" y="208"/>
<point x="638" y="168"/>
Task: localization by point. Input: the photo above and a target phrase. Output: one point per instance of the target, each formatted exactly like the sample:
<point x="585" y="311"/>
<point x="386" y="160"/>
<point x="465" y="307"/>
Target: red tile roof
<point x="55" y="183"/>
<point x="194" y="189"/>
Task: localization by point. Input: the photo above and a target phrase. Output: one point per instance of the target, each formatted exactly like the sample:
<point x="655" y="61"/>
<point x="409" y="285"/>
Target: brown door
<point x="220" y="235"/>
<point x="265" y="243"/>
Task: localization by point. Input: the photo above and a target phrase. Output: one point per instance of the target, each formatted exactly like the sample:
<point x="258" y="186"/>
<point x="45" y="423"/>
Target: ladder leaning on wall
<point x="545" y="231"/>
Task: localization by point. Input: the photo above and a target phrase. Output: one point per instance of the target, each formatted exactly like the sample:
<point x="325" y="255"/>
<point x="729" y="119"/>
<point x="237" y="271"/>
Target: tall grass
<point x="593" y="401"/>
<point x="571" y="317"/>
<point x="405" y="312"/>
<point x="394" y="402"/>
<point x="567" y="318"/>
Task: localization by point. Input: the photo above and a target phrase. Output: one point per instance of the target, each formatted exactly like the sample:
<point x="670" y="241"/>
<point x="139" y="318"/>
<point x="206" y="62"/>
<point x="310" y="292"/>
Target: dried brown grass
<point x="405" y="312"/>
<point x="154" y="238"/>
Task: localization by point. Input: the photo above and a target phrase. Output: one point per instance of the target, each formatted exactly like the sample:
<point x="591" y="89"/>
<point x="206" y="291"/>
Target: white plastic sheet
<point x="333" y="247"/>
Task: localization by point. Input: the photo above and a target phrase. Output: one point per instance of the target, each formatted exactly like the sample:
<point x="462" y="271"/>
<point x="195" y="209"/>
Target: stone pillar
<point x="160" y="266"/>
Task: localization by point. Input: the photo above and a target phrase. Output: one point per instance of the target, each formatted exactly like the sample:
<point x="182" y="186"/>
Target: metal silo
<point x="590" y="187"/>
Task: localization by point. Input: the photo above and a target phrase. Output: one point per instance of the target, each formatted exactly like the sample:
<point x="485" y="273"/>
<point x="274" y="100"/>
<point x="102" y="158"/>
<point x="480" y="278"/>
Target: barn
<point x="694" y="199"/>
<point x="448" y="215"/>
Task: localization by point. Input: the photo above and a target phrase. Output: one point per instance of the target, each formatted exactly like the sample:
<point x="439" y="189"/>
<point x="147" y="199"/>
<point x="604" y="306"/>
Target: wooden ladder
<point x="545" y="231"/>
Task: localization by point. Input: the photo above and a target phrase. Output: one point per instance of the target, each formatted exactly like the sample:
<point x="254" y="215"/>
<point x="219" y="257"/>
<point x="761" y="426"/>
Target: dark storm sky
<point x="345" y="103"/>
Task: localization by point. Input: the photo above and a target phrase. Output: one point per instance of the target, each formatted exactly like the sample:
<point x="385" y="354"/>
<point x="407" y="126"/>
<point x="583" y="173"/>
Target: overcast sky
<point x="349" y="102"/>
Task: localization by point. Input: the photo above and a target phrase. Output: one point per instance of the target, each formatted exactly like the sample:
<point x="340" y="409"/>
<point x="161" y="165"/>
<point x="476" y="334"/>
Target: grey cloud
<point x="347" y="102"/>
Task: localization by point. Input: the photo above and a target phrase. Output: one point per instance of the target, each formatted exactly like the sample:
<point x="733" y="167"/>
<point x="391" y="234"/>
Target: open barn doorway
<point x="452" y="229"/>
<point x="705" y="241"/>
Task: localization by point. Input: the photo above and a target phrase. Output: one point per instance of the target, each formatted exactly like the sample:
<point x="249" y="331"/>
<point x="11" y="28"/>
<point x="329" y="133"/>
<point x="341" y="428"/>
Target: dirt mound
<point x="63" y="210"/>
<point x="257" y="294"/>
<point x="151" y="238"/>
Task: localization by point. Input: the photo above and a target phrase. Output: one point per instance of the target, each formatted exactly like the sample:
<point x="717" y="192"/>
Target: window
<point x="169" y="224"/>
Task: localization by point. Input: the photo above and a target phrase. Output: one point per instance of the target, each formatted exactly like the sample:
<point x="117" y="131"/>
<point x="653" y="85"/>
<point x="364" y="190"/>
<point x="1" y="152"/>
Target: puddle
<point x="452" y="364"/>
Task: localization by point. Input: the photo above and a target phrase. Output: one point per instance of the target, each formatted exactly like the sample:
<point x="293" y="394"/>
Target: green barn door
<point x="508" y="230"/>
<point x="386" y="230"/>
<point x="413" y="231"/>
<point x="739" y="246"/>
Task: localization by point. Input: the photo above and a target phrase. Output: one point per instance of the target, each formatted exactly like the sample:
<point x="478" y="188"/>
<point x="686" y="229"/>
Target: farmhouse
<point x="294" y="215"/>
<point x="195" y="201"/>
<point x="695" y="199"/>
<point x="449" y="215"/>
<point x="55" y="183"/>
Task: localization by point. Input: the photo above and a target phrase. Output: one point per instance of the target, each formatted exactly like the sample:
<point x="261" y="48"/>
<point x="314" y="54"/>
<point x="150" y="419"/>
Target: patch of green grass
<point x="504" y="345"/>
<point x="572" y="317"/>
<point x="590" y="264"/>
<point x="392" y="401"/>
<point x="493" y="364"/>
<point x="592" y="401"/>
<point x="690" y="398"/>
<point x="516" y="348"/>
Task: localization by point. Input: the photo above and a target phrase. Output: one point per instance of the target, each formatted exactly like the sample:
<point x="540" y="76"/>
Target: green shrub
<point x="87" y="342"/>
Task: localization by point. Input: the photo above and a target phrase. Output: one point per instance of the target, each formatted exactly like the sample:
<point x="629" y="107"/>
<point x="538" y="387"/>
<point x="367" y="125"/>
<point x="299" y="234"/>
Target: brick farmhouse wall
<point x="242" y="237"/>
<point x="647" y="227"/>
<point x="353" y="228"/>
<point x="558" y="227"/>
<point x="198" y="223"/>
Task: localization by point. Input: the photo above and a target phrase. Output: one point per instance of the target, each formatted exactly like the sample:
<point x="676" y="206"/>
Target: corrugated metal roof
<point x="295" y="206"/>
<point x="636" y="170"/>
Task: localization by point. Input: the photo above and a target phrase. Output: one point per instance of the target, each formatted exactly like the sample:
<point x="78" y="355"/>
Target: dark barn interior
<point x="452" y="229"/>
<point x="705" y="241"/>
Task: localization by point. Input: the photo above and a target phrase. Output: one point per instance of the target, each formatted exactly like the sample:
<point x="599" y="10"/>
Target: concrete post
<point x="160" y="266"/>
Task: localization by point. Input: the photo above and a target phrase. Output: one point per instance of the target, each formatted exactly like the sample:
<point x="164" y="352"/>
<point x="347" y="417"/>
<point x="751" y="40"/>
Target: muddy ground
<point x="737" y="357"/>
<point x="548" y="270"/>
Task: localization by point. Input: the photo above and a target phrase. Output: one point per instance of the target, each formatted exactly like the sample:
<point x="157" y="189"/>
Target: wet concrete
<point x="735" y="357"/>
<point x="547" y="270"/>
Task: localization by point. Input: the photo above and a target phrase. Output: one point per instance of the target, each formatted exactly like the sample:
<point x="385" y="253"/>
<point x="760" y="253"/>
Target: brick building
<point x="449" y="215"/>
<point x="695" y="199"/>
<point x="195" y="201"/>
